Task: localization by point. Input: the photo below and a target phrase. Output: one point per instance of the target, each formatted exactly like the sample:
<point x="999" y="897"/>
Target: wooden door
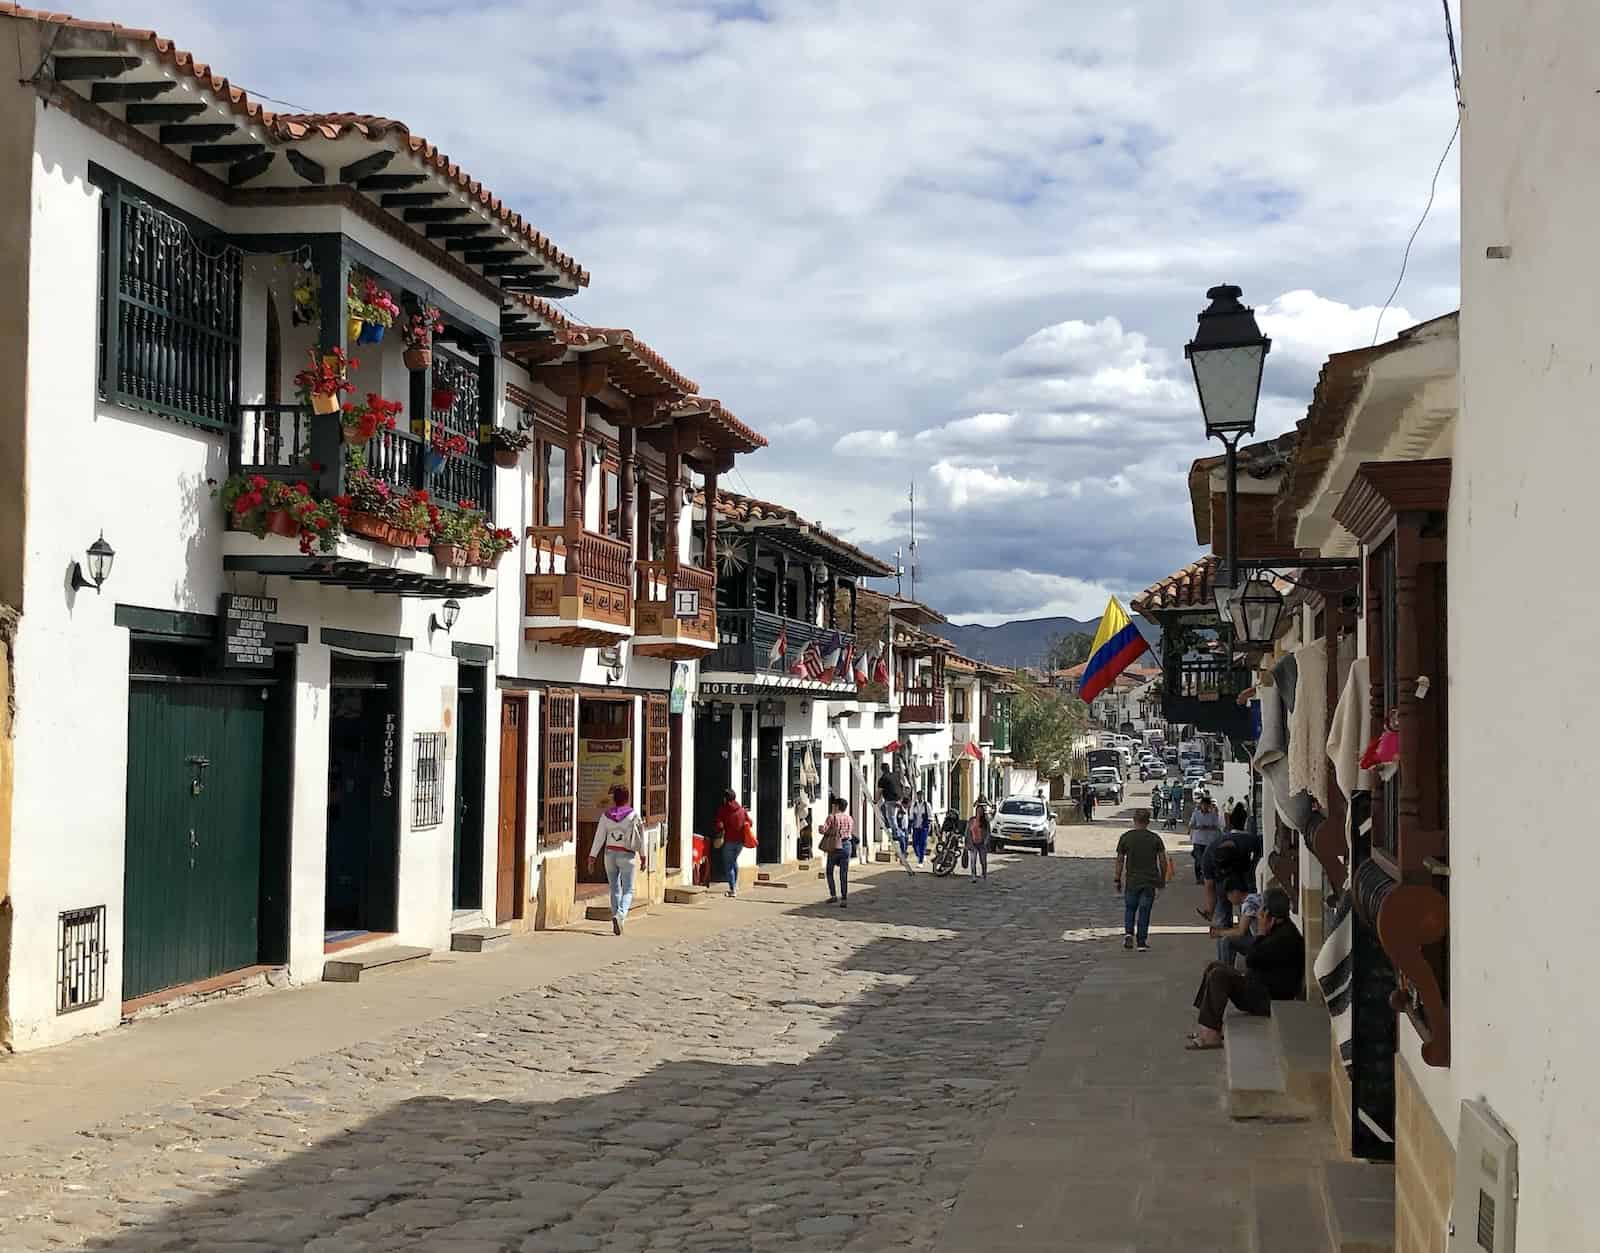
<point x="512" y="842"/>
<point x="191" y="887"/>
<point x="769" y="796"/>
<point x="656" y="759"/>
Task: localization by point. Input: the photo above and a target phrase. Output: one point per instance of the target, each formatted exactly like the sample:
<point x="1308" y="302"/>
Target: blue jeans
<point x="730" y="862"/>
<point x="919" y="842"/>
<point x="976" y="854"/>
<point x="1136" y="906"/>
<point x="1222" y="916"/>
<point x="620" y="868"/>
<point x="839" y="860"/>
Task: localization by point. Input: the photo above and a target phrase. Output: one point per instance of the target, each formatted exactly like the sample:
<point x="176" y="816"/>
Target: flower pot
<point x="282" y="522"/>
<point x="418" y="358"/>
<point x="444" y="398"/>
<point x="449" y="554"/>
<point x="369" y="525"/>
<point x="505" y="458"/>
<point x="398" y="537"/>
<point x="432" y="461"/>
<point x="355" y="436"/>
<point x="324" y="404"/>
<point x="474" y="554"/>
<point x="352" y="330"/>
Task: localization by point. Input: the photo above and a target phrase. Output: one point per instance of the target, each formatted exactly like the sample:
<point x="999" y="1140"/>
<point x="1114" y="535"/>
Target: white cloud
<point x="868" y="442"/>
<point x="967" y="485"/>
<point x="799" y="428"/>
<point x="1307" y="328"/>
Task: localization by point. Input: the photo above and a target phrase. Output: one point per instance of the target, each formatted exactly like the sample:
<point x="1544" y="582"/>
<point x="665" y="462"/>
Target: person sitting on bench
<point x="1274" y="971"/>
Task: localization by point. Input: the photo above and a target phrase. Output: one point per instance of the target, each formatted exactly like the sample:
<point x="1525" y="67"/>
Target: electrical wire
<point x="1433" y="187"/>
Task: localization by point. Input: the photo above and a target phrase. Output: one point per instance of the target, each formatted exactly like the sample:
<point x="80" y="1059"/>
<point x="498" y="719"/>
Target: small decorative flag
<point x="862" y="670"/>
<point x="880" y="666"/>
<point x="842" y="671"/>
<point x="831" y="649"/>
<point x="780" y="647"/>
<point x="811" y="659"/>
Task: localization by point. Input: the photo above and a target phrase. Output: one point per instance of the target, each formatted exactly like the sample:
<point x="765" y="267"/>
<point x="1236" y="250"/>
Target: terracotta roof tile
<point x="288" y="128"/>
<point x="731" y="432"/>
<point x="1189" y="588"/>
<point x="747" y="509"/>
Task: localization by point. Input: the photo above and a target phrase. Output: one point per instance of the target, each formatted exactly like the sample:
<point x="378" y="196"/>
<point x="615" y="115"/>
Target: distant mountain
<point x="1025" y="641"/>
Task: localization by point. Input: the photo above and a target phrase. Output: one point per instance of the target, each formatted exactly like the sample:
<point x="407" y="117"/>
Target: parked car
<point x="1024" y="822"/>
<point x="1106" y="783"/>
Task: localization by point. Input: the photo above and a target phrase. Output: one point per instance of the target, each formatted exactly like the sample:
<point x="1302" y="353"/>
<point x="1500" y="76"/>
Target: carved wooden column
<point x="577" y="473"/>
<point x="674" y="499"/>
<point x="783" y="584"/>
<point x="711" y="519"/>
<point x="627" y="441"/>
<point x="853" y="611"/>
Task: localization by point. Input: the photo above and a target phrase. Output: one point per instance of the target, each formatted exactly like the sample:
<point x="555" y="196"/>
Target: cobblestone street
<point x="811" y="1080"/>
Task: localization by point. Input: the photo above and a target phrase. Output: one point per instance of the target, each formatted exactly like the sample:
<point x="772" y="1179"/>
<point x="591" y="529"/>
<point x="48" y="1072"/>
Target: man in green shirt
<point x="1142" y="870"/>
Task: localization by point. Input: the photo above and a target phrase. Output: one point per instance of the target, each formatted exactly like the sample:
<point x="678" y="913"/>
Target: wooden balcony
<point x="1203" y="689"/>
<point x="922" y="709"/>
<point x="745" y="639"/>
<point x="656" y="631"/>
<point x="578" y="592"/>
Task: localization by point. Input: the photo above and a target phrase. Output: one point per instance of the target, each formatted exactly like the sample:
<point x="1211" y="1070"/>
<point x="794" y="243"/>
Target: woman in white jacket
<point x="620" y="835"/>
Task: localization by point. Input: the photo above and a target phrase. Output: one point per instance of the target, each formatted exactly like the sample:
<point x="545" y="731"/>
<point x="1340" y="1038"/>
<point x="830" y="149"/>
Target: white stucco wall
<point x="1523" y="505"/>
<point x="146" y="482"/>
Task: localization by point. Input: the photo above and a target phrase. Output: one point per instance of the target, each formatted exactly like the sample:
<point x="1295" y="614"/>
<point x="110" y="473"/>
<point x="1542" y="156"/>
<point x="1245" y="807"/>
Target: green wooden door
<point x="191" y="886"/>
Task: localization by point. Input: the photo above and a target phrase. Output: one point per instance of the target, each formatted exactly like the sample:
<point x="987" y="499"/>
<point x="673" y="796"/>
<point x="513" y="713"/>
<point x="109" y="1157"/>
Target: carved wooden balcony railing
<point x="922" y="707"/>
<point x="745" y="642"/>
<point x="658" y="632"/>
<point x="578" y="591"/>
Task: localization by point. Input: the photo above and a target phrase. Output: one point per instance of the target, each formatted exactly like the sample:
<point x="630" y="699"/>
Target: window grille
<point x="463" y="477"/>
<point x="427" y="797"/>
<point x="169" y="310"/>
<point x="80" y="958"/>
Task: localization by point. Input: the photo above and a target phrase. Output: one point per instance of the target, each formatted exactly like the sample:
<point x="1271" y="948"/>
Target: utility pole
<point x="914" y="568"/>
<point x="899" y="569"/>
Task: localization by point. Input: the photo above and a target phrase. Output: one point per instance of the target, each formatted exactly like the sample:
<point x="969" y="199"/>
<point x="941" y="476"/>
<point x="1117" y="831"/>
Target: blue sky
<point x="961" y="244"/>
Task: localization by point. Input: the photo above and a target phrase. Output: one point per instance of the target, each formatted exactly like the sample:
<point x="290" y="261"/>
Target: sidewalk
<point x="47" y="1097"/>
<point x="1118" y="1140"/>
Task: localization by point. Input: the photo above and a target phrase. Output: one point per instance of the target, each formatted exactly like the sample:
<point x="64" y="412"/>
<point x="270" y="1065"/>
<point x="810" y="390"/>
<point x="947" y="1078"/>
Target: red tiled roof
<point x="748" y="509"/>
<point x="287" y="128"/>
<point x="728" y="430"/>
<point x="1189" y="588"/>
<point x="645" y="372"/>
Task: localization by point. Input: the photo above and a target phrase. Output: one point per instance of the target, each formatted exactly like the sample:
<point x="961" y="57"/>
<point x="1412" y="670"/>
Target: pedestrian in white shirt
<point x="620" y="835"/>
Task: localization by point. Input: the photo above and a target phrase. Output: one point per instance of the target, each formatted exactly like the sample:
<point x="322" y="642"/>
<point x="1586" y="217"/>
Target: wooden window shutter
<point x="657" y="765"/>
<point x="559" y="809"/>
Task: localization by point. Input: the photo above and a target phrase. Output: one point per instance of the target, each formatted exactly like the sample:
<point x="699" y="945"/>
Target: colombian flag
<point x="1117" y="645"/>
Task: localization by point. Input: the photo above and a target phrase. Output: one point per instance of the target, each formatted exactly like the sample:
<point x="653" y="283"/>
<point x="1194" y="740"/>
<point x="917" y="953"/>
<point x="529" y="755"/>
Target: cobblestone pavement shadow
<point x="815" y="1080"/>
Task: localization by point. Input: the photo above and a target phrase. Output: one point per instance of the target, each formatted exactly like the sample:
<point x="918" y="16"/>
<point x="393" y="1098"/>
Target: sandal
<point x="1194" y="1044"/>
<point x="1203" y="914"/>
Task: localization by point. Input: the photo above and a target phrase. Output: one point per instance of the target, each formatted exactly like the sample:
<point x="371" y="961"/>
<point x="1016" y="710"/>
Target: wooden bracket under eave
<point x="1413" y="917"/>
<point x="1331" y="848"/>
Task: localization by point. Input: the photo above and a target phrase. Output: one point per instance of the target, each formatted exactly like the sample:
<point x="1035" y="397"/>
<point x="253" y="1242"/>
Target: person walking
<point x="620" y="835"/>
<point x="1086" y="802"/>
<point x="837" y="841"/>
<point x="978" y="841"/>
<point x="1205" y="829"/>
<point x="902" y="835"/>
<point x="728" y="838"/>
<point x="1143" y="868"/>
<point x="921" y="827"/>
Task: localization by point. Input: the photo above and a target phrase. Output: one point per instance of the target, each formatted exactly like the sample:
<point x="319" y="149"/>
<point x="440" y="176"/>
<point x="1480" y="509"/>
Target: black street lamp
<point x="1227" y="354"/>
<point x="101" y="555"/>
<point x="1255" y="610"/>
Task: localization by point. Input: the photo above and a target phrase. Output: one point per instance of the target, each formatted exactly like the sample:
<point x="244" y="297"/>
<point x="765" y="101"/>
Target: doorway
<point x="511" y="839"/>
<point x="471" y="688"/>
<point x="713" y="763"/>
<point x="364" y="755"/>
<point x="605" y="760"/>
<point x="769" y="796"/>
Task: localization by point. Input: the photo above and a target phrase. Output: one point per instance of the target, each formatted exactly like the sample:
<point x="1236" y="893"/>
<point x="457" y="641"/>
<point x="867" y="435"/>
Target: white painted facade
<point x="1523" y="506"/>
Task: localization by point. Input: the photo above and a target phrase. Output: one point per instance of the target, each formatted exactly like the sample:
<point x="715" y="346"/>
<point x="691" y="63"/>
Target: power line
<point x="1433" y="186"/>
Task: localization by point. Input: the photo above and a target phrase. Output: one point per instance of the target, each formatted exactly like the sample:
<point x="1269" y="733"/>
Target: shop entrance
<point x="471" y="685"/>
<point x="364" y="758"/>
<point x="769" y="796"/>
<point x="511" y="844"/>
<point x="713" y="763"/>
<point x="605" y="759"/>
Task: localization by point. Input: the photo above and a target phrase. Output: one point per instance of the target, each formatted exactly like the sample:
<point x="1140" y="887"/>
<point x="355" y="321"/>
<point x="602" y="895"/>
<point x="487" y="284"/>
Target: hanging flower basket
<point x="505" y="458"/>
<point x="450" y="554"/>
<point x="371" y="333"/>
<point x="444" y="398"/>
<point x="324" y="404"/>
<point x="282" y="522"/>
<point x="418" y="358"/>
<point x="352" y="330"/>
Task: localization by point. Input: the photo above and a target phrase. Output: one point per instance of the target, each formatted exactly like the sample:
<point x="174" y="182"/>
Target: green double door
<point x="192" y="884"/>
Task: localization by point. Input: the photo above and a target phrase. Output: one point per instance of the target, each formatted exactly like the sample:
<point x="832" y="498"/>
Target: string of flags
<point x="835" y="659"/>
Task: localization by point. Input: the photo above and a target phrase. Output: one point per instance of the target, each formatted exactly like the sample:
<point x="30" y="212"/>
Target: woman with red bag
<point x="732" y="834"/>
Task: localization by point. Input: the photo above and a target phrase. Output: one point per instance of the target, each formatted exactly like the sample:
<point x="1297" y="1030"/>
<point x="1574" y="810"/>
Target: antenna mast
<point x="915" y="566"/>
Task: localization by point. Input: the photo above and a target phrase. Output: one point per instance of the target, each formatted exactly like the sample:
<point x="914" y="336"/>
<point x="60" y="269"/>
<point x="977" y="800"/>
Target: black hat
<point x="1276" y="903"/>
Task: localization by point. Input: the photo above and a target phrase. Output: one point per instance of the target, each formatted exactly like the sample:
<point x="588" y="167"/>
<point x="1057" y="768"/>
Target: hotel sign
<point x="727" y="689"/>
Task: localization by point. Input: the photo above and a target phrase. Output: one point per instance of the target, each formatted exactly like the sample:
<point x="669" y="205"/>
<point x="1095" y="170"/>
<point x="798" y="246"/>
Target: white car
<point x="1106" y="784"/>
<point x="1024" y="822"/>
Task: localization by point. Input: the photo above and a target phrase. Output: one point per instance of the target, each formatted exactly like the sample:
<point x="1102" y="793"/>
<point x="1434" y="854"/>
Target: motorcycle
<point x="947" y="850"/>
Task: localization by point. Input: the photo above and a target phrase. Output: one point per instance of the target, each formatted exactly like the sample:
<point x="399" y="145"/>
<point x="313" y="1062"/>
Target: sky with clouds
<point x="954" y="244"/>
